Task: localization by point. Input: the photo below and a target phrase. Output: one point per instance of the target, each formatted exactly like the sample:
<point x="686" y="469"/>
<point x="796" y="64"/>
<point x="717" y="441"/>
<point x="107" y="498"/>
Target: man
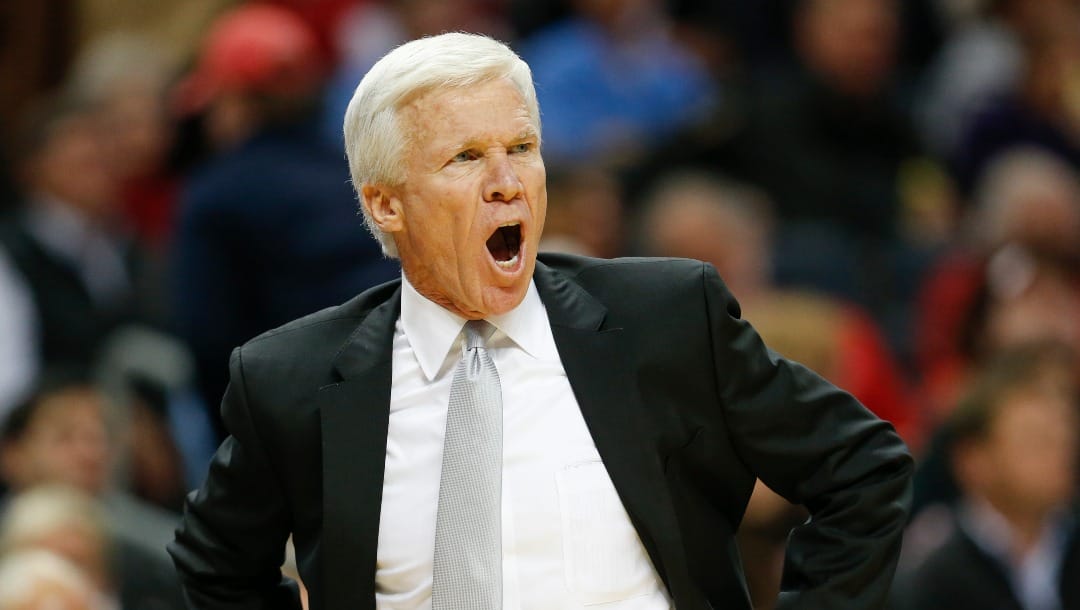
<point x="271" y="205"/>
<point x="68" y="275"/>
<point x="636" y="409"/>
<point x="1015" y="441"/>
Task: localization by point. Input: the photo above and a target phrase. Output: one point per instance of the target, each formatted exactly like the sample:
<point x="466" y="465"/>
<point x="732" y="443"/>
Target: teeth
<point x="509" y="224"/>
<point x="508" y="264"/>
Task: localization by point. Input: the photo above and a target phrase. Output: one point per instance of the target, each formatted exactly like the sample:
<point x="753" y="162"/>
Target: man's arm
<point x="231" y="542"/>
<point x="816" y="446"/>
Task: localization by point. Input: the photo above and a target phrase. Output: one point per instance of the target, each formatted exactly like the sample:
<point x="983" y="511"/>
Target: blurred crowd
<point x="891" y="188"/>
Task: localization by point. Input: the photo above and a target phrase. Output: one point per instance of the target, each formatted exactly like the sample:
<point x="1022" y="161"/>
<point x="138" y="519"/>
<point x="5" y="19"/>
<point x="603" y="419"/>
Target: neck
<point x="1027" y="525"/>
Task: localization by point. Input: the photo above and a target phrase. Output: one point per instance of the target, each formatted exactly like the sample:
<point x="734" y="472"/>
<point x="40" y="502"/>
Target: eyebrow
<point x="525" y="134"/>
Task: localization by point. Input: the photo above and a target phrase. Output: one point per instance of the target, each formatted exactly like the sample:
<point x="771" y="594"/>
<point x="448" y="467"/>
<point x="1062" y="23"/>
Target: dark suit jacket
<point x="685" y="404"/>
<point x="961" y="576"/>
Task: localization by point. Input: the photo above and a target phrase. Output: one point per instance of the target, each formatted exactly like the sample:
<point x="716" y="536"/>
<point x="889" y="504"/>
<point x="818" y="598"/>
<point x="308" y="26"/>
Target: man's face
<point x="850" y="43"/>
<point x="65" y="442"/>
<point x="1027" y="463"/>
<point x="72" y="167"/>
<point x="468" y="217"/>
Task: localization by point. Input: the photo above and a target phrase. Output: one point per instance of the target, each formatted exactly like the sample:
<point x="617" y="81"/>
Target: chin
<point x="499" y="300"/>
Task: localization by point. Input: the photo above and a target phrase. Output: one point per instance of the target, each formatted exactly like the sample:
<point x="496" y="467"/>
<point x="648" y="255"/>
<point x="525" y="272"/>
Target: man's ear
<point x="383" y="205"/>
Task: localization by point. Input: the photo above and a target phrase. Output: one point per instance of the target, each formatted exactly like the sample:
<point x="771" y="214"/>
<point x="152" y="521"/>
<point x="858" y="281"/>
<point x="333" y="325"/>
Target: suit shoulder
<point x="649" y="269"/>
<point x="638" y="286"/>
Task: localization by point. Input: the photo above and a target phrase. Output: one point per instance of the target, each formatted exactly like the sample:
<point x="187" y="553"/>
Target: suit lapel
<point x="592" y="353"/>
<point x="355" y="414"/>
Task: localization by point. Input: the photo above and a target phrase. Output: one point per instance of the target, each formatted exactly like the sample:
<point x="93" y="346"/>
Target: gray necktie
<point x="468" y="531"/>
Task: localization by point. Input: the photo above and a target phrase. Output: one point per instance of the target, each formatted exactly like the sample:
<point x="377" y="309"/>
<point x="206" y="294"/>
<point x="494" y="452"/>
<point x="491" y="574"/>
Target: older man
<point x="498" y="431"/>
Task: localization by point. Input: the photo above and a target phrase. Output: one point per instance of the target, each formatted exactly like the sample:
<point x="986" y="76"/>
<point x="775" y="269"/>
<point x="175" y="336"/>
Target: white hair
<point x="37" y="576"/>
<point x="42" y="510"/>
<point x="374" y="139"/>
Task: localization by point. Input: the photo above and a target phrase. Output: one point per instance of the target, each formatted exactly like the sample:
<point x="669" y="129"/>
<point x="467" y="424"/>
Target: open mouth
<point x="505" y="245"/>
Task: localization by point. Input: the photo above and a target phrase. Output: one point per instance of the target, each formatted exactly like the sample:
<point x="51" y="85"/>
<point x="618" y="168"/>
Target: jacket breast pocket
<point x="604" y="558"/>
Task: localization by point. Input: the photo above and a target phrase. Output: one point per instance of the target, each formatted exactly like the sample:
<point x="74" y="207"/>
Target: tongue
<point x="499" y="246"/>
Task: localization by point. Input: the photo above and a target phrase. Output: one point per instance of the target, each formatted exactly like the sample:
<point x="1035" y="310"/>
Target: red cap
<point x="256" y="48"/>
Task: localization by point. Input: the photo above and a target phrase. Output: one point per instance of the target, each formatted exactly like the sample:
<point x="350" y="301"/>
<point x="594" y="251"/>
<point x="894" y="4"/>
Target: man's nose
<point x="503" y="183"/>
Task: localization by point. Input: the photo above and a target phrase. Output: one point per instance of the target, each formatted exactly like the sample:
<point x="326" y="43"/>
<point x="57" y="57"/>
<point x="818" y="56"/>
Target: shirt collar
<point x="432" y="329"/>
<point x="995" y="535"/>
<point x="527" y="326"/>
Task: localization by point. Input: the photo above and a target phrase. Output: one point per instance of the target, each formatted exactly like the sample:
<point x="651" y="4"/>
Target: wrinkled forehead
<point x="443" y="98"/>
<point x="448" y="117"/>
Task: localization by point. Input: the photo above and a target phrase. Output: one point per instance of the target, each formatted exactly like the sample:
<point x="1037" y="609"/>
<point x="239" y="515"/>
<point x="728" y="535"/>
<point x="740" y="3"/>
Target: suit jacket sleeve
<point x="230" y="544"/>
<point x="816" y="446"/>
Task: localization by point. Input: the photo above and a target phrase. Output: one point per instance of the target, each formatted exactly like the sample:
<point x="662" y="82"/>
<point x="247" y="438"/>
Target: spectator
<point x="69" y="276"/>
<point x="1026" y="215"/>
<point x="613" y="82"/>
<point x="830" y="141"/>
<point x="64" y="520"/>
<point x="368" y="30"/>
<point x="827" y="141"/>
<point x="268" y="227"/>
<point x="983" y="59"/>
<point x="1013" y="451"/>
<point x="126" y="76"/>
<point x="1039" y="111"/>
<point x="585" y="213"/>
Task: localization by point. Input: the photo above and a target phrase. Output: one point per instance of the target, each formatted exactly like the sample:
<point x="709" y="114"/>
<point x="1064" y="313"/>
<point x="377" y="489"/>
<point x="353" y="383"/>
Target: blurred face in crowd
<point x="1052" y="80"/>
<point x="72" y="166"/>
<point x="1047" y="218"/>
<point x="696" y="224"/>
<point x="586" y="213"/>
<point x="1026" y="464"/>
<point x="468" y="217"/>
<point x="64" y="442"/>
<point x="135" y="123"/>
<point x="851" y="44"/>
<point x="1047" y="307"/>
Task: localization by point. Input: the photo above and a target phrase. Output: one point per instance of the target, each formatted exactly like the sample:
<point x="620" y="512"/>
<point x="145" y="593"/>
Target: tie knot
<point x="477" y="333"/>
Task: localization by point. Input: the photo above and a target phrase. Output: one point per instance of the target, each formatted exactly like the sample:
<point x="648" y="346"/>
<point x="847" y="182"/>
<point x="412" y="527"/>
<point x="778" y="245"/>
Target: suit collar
<point x="568" y="304"/>
<point x="370" y="344"/>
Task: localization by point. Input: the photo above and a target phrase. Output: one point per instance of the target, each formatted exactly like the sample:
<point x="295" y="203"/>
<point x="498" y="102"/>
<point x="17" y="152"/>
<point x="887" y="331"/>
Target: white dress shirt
<point x="567" y="540"/>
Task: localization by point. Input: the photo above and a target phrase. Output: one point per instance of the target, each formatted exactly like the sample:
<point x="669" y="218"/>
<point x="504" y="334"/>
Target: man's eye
<point x="521" y="148"/>
<point x="465" y="155"/>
